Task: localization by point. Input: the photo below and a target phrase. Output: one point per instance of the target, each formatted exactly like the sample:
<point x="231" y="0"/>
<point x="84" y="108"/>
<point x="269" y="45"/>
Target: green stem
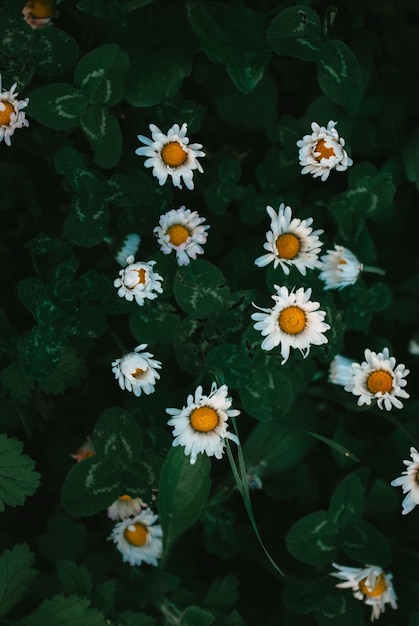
<point x="373" y="270"/>
<point x="117" y="340"/>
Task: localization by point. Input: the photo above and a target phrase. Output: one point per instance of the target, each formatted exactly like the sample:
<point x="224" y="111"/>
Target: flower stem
<point x="117" y="340"/>
<point x="374" y="270"/>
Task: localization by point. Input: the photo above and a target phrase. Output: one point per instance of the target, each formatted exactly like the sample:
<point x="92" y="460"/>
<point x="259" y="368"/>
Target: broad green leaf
<point x="103" y="134"/>
<point x="75" y="579"/>
<point x="54" y="51"/>
<point x="100" y="74"/>
<point x="200" y="288"/>
<point x="16" y="383"/>
<point x="267" y="395"/>
<point x="183" y="492"/>
<point x="380" y="296"/>
<point x="232" y="35"/>
<point x="117" y="434"/>
<point x="313" y="539"/>
<point x="61" y="611"/>
<point x="41" y="352"/>
<point x="296" y="32"/>
<point x="18" y="479"/>
<point x="16" y="574"/>
<point x="71" y="370"/>
<point x="347" y="503"/>
<point x="33" y="294"/>
<point x="338" y="72"/>
<point x="104" y="596"/>
<point x="362" y="542"/>
<point x="58" y="105"/>
<point x="154" y="324"/>
<point x="15" y="36"/>
<point x="194" y="616"/>
<point x="110" y="9"/>
<point x="371" y="195"/>
<point x="193" y="339"/>
<point x="122" y="190"/>
<point x="228" y="359"/>
<point x="74" y="166"/>
<point x="87" y="222"/>
<point x="60" y="526"/>
<point x="223" y="593"/>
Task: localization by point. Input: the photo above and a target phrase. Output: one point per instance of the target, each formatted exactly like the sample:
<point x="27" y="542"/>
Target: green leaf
<point x="74" y="166"/>
<point x="153" y="324"/>
<point x="110" y="9"/>
<point x="18" y="479"/>
<point x="16" y="383"/>
<point x="364" y="543"/>
<point x="100" y="74"/>
<point x="371" y="194"/>
<point x="87" y="222"/>
<point x="228" y="358"/>
<point x="338" y="72"/>
<point x="411" y="157"/>
<point x="54" y="51"/>
<point x="267" y="395"/>
<point x="232" y="35"/>
<point x="194" y="616"/>
<point x="313" y="539"/>
<point x="61" y="611"/>
<point x="104" y="596"/>
<point x="75" y="579"/>
<point x="200" y="288"/>
<point x="183" y="492"/>
<point x="347" y="503"/>
<point x="33" y="294"/>
<point x="58" y="106"/>
<point x="193" y="340"/>
<point x="15" y="36"/>
<point x="16" y="574"/>
<point x="103" y="134"/>
<point x="223" y="593"/>
<point x="41" y="352"/>
<point x="296" y="32"/>
<point x="51" y="546"/>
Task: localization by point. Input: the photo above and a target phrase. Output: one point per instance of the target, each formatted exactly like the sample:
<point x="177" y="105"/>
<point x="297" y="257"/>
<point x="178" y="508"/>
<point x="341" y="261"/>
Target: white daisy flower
<point x="323" y="151"/>
<point x="339" y="268"/>
<point x="290" y="242"/>
<point x="138" y="281"/>
<point x="370" y="584"/>
<point x="294" y="322"/>
<point x="413" y="347"/>
<point x="139" y="539"/>
<point x="137" y="371"/>
<point x="409" y="482"/>
<point x="181" y="230"/>
<point x="11" y="114"/>
<point x="377" y="378"/>
<point x="340" y="370"/>
<point x="125" y="507"/>
<point x="171" y="155"/>
<point x="129" y="248"/>
<point x="201" y="425"/>
<point x="39" y="13"/>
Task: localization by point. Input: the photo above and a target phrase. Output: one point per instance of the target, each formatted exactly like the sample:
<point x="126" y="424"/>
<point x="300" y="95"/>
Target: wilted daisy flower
<point x="129" y="248"/>
<point x="11" y="114"/>
<point x="85" y="451"/>
<point x="409" y="482"/>
<point x="138" y="281"/>
<point x="137" y="371"/>
<point x="323" y="151"/>
<point x="290" y="242"/>
<point x="340" y="370"/>
<point x="378" y="378"/>
<point x="181" y="230"/>
<point x="294" y="322"/>
<point x="39" y="13"/>
<point x="201" y="425"/>
<point x="370" y="584"/>
<point x="125" y="507"/>
<point x="171" y="155"/>
<point x="138" y="539"/>
<point x="339" y="268"/>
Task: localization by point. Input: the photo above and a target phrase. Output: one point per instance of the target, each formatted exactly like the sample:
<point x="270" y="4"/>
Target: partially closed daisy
<point x="340" y="370"/>
<point x="371" y="584"/>
<point x="125" y="506"/>
<point x="137" y="371"/>
<point x="181" y="230"/>
<point x="11" y="114"/>
<point x="323" y="151"/>
<point x="378" y="379"/>
<point x="139" y="539"/>
<point x="39" y="13"/>
<point x="339" y="268"/>
<point x="294" y="322"/>
<point x="290" y="242"/>
<point x="201" y="426"/>
<point x="171" y="155"/>
<point x="409" y="482"/>
<point x="138" y="281"/>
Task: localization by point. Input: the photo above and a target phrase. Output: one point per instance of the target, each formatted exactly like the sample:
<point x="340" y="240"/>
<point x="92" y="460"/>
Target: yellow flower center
<point x="325" y="152"/>
<point x="138" y="373"/>
<point x="292" y="320"/>
<point x="136" y="534"/>
<point x="141" y="276"/>
<point x="379" y="589"/>
<point x="380" y="381"/>
<point x="125" y="497"/>
<point x="6" y="113"/>
<point x="204" y="419"/>
<point x="178" y="234"/>
<point x="173" y="154"/>
<point x="41" y="8"/>
<point x="288" y="246"/>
